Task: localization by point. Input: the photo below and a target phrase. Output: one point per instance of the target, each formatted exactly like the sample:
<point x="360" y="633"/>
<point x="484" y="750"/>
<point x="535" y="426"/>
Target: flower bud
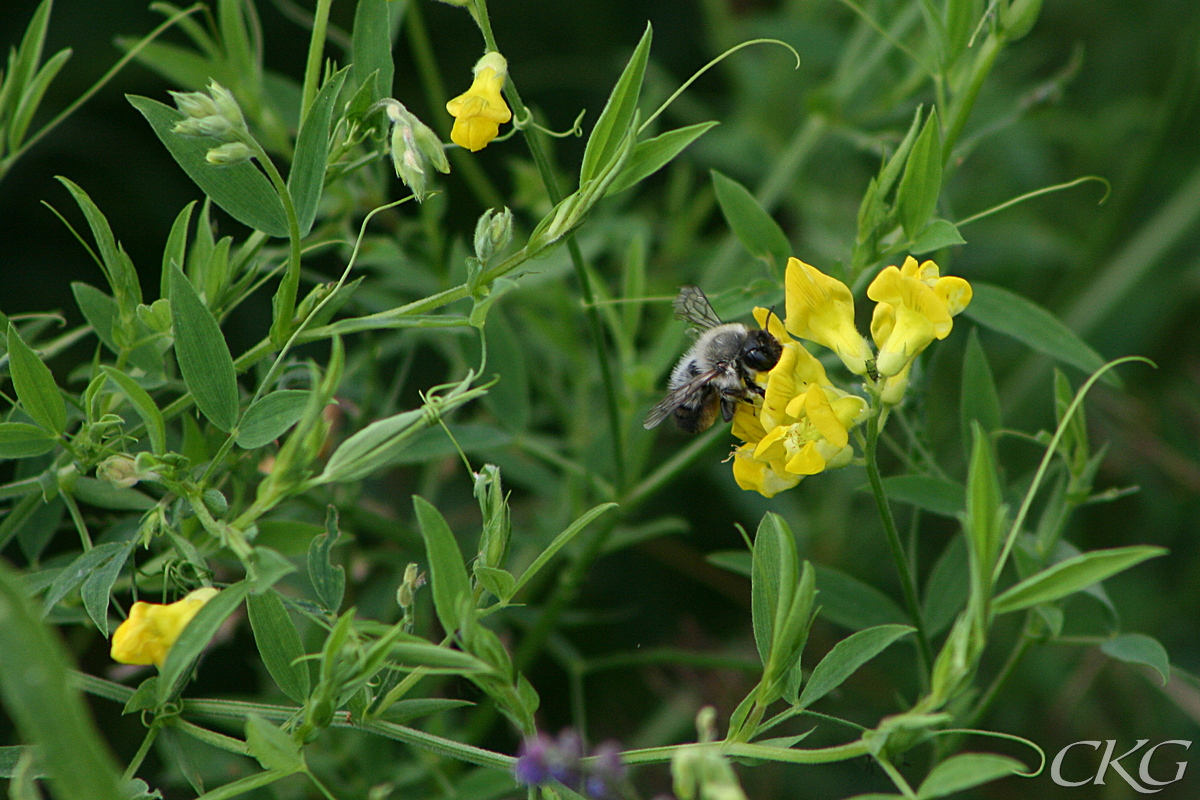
<point x="413" y="144"/>
<point x="493" y="232"/>
<point x="228" y="153"/>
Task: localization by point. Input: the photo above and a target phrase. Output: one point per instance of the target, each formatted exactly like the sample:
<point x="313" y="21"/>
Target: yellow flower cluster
<point x="802" y="426"/>
<point x="147" y="635"/>
<point x="479" y="111"/>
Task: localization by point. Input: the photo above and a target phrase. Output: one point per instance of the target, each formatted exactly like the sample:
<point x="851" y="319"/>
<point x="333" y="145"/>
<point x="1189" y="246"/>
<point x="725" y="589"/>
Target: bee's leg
<point x="754" y="387"/>
<point x="728" y="406"/>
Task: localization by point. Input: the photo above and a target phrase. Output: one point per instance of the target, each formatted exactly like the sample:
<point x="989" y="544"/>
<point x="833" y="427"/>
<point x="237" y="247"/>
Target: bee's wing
<point x="693" y="306"/>
<point x="678" y="397"/>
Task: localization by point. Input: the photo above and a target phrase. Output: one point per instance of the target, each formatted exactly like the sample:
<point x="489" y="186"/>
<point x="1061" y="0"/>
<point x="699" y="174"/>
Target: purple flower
<point x="542" y="759"/>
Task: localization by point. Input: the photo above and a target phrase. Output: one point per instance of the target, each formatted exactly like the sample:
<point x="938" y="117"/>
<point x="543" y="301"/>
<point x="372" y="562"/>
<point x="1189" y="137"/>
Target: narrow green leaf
<point x="1028" y="323"/>
<point x="279" y="644"/>
<point x="983" y="510"/>
<point x="145" y="407"/>
<point x="40" y="697"/>
<point x="1072" y="575"/>
<point x="175" y="251"/>
<point x="328" y="579"/>
<point x="195" y="637"/>
<point x="101" y="313"/>
<point x="103" y="494"/>
<point x="119" y="269"/>
<point x="307" y="177"/>
<point x="35" y="386"/>
<point x="374" y="447"/>
<point x="928" y="493"/>
<point x="749" y="221"/>
<point x="559" y="542"/>
<point x="273" y="748"/>
<point x="651" y="155"/>
<point x="451" y="587"/>
<point x="79" y="569"/>
<point x="853" y="604"/>
<point x="203" y="356"/>
<point x="917" y="194"/>
<point x="270" y="416"/>
<point x="614" y="120"/>
<point x="774" y="572"/>
<point x="23" y="62"/>
<point x="979" y="400"/>
<point x="96" y="591"/>
<point x="241" y="189"/>
<point x="846" y="657"/>
<point x="948" y="586"/>
<point x="22" y="440"/>
<point x="371" y="45"/>
<point x="964" y="771"/>
<point x="1138" y="648"/>
<point x="31" y="98"/>
<point x="509" y="398"/>
<point x="418" y="653"/>
<point x="938" y="233"/>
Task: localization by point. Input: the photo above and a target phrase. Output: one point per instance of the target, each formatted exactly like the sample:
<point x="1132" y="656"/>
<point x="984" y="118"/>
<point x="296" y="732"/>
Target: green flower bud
<point x="121" y="471"/>
<point x="493" y="232"/>
<point x="413" y="144"/>
<point x="229" y="153"/>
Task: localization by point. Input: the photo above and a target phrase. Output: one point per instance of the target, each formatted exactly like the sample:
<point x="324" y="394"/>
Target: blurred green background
<point x="1099" y="87"/>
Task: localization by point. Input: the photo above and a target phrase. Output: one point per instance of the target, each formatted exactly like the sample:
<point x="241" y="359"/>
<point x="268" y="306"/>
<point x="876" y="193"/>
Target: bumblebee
<point x="718" y="371"/>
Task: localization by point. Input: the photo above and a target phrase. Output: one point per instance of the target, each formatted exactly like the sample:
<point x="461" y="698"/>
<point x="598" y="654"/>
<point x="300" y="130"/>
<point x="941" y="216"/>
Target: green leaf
<point x="273" y="748"/>
<point x="374" y="447"/>
<point x="1138" y="648"/>
<point x="31" y="98"/>
<point x="101" y="313"/>
<point x="451" y="587"/>
<point x="846" y="657"/>
<point x="175" y="251"/>
<point x="203" y="356"/>
<point x="22" y="440"/>
<point x="1072" y="575"/>
<point x="328" y="579"/>
<point x="948" y="586"/>
<point x="307" y="176"/>
<point x="979" y="400"/>
<point x="853" y="604"/>
<point x="983" y="519"/>
<point x="145" y="407"/>
<point x="103" y="494"/>
<point x="928" y="493"/>
<point x="79" y="569"/>
<point x="35" y="386"/>
<point x="371" y="45"/>
<point x="279" y="644"/>
<point x="499" y="582"/>
<point x="964" y="771"/>
<point x="241" y="189"/>
<point x="614" y="120"/>
<point x="270" y="416"/>
<point x="419" y="653"/>
<point x="97" y="589"/>
<point x="559" y="542"/>
<point x="121" y="274"/>
<point x="774" y="573"/>
<point x="1030" y="324"/>
<point x="195" y="637"/>
<point x="651" y="155"/>
<point x="937" y="234"/>
<point x="753" y="226"/>
<point x="917" y="194"/>
<point x="39" y="696"/>
<point x="509" y="398"/>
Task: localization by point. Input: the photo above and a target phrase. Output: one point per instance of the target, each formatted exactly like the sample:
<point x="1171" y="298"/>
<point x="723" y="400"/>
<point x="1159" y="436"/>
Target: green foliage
<point x="249" y="402"/>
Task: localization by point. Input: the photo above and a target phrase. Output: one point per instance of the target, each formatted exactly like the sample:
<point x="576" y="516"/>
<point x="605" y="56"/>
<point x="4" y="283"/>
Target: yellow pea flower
<point x="801" y="428"/>
<point x="479" y="111"/>
<point x="147" y="635"/>
<point x="915" y="305"/>
<point x="821" y="309"/>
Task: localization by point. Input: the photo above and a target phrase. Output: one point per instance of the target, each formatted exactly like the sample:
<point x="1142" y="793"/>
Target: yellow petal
<point x="821" y="309"/>
<point x="479" y="111"/>
<point x="151" y="628"/>
<point x="955" y="292"/>
<point x="806" y="462"/>
<point x="772" y="446"/>
<point x="821" y="415"/>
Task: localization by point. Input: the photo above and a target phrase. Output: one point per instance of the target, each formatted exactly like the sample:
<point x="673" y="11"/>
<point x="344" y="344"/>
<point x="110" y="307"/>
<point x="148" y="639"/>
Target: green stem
<point x="964" y="101"/>
<point x="903" y="567"/>
<point x="546" y="170"/>
<point x="142" y="752"/>
<point x="316" y="48"/>
<point x="284" y="305"/>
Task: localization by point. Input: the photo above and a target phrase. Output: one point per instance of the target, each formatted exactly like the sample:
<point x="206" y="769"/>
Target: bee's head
<point x="761" y="351"/>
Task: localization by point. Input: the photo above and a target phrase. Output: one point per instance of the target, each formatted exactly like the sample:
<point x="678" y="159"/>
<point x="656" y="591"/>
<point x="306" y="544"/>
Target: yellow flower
<point x="821" y="309"/>
<point x="479" y="111"/>
<point x="801" y="428"/>
<point x="915" y="305"/>
<point x="147" y="635"/>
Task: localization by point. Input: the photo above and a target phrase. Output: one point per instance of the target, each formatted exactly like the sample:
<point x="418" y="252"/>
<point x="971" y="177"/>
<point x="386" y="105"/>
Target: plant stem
<point x="546" y="170"/>
<point x="312" y="67"/>
<point x="903" y="567"/>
